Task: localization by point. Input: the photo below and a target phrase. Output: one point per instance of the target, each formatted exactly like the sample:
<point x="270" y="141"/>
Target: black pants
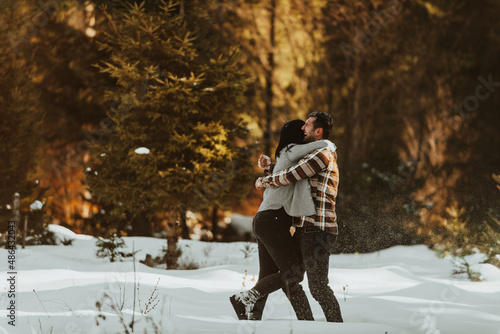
<point x="280" y="261"/>
<point x="316" y="246"/>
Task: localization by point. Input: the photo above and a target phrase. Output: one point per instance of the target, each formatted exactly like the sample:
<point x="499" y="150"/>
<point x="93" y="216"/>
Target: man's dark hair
<point x="324" y="121"/>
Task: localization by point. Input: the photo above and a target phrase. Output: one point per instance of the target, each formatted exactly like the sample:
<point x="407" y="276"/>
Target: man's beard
<point x="308" y="139"/>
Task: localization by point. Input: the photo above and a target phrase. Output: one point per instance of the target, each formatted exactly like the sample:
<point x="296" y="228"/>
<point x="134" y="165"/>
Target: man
<point x="316" y="233"/>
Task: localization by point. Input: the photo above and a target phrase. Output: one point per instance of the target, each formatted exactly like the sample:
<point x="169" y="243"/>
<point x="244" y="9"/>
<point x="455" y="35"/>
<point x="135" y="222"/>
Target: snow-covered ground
<point x="399" y="290"/>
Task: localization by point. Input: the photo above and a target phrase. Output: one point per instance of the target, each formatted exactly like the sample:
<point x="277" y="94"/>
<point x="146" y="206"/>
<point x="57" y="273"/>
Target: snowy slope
<point x="396" y="291"/>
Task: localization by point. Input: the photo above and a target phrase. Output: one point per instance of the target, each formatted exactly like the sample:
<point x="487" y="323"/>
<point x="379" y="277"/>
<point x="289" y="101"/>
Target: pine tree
<point x="175" y="137"/>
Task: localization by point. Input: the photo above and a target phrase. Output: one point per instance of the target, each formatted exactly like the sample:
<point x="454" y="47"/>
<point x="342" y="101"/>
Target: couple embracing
<point x="296" y="225"/>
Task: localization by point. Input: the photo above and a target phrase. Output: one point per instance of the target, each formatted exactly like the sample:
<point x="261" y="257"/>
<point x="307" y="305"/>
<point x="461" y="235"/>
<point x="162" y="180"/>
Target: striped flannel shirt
<point x="320" y="167"/>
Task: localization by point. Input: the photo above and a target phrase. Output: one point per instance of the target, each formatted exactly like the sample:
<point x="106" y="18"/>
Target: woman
<point x="279" y="253"/>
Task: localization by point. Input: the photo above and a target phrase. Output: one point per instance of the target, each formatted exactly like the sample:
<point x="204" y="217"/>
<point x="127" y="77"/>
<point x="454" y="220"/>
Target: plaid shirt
<point x="320" y="167"/>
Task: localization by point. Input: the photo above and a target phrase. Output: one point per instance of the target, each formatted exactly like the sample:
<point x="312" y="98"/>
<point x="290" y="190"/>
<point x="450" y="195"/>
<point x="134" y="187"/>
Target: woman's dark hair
<point x="291" y="133"/>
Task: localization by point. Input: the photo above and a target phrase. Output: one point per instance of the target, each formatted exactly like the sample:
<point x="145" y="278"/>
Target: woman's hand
<point x="258" y="183"/>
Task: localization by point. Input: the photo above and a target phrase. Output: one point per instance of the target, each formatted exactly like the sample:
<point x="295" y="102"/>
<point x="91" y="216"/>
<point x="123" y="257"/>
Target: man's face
<point x="309" y="130"/>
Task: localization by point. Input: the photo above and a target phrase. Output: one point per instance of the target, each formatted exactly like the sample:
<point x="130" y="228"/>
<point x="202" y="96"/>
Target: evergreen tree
<point x="175" y="137"/>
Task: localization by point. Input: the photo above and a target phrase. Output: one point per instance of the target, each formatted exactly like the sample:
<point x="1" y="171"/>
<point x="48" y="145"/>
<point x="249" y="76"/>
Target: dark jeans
<point x="316" y="246"/>
<point x="280" y="261"/>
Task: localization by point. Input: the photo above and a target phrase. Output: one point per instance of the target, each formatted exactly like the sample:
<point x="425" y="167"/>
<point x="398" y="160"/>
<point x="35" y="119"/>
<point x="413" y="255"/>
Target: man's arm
<point x="298" y="152"/>
<point x="266" y="164"/>
<point x="270" y="169"/>
<point x="305" y="168"/>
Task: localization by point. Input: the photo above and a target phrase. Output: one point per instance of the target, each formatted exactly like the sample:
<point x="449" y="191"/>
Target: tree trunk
<point x="16" y="217"/>
<point x="25" y="230"/>
<point x="355" y="118"/>
<point x="269" y="81"/>
<point x="183" y="221"/>
<point x="172" y="253"/>
<point x="214" y="222"/>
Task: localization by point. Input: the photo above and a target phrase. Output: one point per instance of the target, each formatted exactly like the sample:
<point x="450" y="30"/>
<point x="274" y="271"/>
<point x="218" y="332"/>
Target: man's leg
<point x="315" y="247"/>
<point x="295" y="293"/>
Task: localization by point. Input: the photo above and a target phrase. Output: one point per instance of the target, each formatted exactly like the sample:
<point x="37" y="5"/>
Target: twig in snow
<point x="41" y="303"/>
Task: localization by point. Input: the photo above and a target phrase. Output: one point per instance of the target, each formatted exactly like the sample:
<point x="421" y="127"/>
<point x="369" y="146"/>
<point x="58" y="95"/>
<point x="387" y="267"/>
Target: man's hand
<point x="258" y="183"/>
<point x="264" y="161"/>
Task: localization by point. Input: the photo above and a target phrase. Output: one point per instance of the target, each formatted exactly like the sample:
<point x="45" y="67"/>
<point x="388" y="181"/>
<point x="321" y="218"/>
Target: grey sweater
<point x="295" y="198"/>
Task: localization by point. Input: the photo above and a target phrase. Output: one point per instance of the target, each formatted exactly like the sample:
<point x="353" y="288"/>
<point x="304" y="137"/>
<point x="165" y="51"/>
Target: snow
<point x="399" y="290"/>
<point x="241" y="224"/>
<point x="142" y="150"/>
<point x="36" y="205"/>
<point x="62" y="233"/>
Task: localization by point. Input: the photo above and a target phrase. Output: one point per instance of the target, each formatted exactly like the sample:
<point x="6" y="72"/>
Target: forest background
<point x="125" y="118"/>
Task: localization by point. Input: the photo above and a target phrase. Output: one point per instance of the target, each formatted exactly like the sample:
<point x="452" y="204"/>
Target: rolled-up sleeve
<point x="305" y="168"/>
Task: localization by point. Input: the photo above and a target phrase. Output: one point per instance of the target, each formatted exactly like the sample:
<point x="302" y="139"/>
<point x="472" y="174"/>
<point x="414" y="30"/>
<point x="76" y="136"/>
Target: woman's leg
<point x="266" y="268"/>
<point x="281" y="266"/>
<point x="275" y="249"/>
